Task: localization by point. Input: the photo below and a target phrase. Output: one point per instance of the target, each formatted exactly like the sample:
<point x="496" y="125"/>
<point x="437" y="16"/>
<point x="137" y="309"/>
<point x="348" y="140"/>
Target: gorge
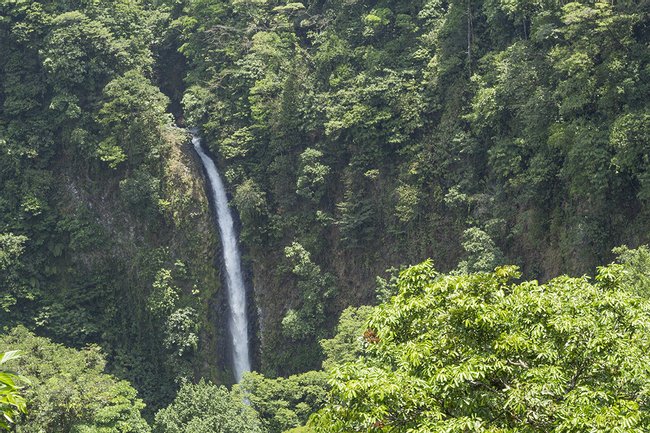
<point x="354" y="139"/>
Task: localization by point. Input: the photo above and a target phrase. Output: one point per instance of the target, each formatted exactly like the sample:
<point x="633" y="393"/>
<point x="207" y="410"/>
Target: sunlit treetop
<point x="481" y="353"/>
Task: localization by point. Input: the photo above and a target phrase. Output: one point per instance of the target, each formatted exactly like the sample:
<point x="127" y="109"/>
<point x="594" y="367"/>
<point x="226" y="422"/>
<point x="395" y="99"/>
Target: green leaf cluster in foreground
<point x="481" y="353"/>
<point x="12" y="402"/>
<point x="453" y="353"/>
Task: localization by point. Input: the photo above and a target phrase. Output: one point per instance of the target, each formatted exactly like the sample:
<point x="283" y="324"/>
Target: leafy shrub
<point x="206" y="408"/>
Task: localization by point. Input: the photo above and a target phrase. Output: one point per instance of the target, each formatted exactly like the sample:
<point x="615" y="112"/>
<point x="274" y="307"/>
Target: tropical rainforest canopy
<point x="502" y="144"/>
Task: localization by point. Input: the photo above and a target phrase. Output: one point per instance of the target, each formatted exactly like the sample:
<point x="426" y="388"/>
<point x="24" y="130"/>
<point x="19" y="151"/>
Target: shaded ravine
<point x="238" y="319"/>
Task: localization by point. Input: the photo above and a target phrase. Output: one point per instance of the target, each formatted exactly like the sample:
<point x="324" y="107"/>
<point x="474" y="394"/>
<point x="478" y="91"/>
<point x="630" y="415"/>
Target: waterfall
<point x="238" y="320"/>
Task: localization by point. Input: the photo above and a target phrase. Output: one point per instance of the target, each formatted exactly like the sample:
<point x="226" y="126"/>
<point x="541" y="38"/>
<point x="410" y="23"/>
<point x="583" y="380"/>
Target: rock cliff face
<point x="359" y="135"/>
<point x="104" y="219"/>
<point x="134" y="256"/>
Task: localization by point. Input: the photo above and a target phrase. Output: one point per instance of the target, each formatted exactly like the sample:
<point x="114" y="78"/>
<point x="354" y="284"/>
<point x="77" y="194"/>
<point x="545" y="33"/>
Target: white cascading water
<point x="238" y="320"/>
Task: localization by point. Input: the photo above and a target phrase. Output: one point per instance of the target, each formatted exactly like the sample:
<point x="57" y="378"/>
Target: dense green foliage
<point x="69" y="391"/>
<point x="97" y="196"/>
<point x="345" y="345"/>
<point x="354" y="136"/>
<point x="207" y="408"/>
<point x="452" y="352"/>
<point x="380" y="133"/>
<point x="480" y="353"/>
<point x="282" y="403"/>
<point x="367" y="134"/>
<point x="66" y="390"/>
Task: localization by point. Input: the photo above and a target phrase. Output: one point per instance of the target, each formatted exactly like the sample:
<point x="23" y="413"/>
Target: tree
<point x="284" y="403"/>
<point x="348" y="343"/>
<point x="68" y="390"/>
<point x="479" y="353"/>
<point x="481" y="253"/>
<point x="206" y="408"/>
<point x="312" y="175"/>
<point x="250" y="201"/>
<point x="11" y="249"/>
<point x="12" y="403"/>
<point x="315" y="288"/>
<point x="132" y="97"/>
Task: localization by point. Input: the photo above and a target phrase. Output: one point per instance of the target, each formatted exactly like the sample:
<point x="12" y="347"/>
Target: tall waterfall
<point x="238" y="320"/>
